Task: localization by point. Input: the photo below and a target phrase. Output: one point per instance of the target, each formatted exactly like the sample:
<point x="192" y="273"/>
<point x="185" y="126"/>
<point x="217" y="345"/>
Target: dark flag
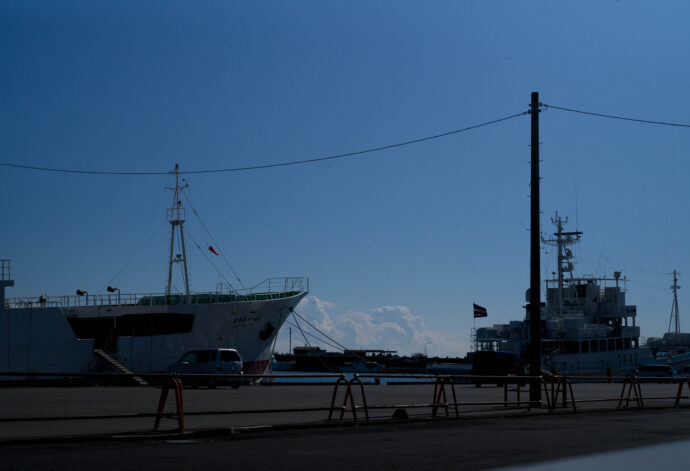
<point x="210" y="247"/>
<point x="479" y="311"/>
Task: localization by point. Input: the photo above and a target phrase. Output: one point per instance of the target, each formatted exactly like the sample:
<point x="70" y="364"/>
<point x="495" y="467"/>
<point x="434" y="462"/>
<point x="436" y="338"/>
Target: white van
<point x="210" y="361"/>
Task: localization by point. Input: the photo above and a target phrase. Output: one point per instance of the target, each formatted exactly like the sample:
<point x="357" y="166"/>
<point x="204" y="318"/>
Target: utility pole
<point x="535" y="278"/>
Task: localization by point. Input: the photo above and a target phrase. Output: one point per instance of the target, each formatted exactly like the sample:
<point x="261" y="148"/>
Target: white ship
<point x="587" y="329"/>
<point x="144" y="332"/>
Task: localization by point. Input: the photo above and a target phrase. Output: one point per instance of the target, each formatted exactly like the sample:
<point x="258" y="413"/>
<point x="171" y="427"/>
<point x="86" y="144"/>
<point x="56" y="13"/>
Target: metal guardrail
<point x="557" y="390"/>
<point x="271" y="287"/>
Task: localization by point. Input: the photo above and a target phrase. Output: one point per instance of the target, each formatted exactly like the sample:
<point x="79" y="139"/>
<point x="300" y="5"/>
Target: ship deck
<point x="269" y="289"/>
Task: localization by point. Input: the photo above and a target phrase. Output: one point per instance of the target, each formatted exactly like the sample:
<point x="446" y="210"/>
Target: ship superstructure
<point x="586" y="325"/>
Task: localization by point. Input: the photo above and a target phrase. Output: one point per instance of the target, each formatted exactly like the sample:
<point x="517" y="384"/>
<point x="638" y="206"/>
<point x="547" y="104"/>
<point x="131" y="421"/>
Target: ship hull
<point x="49" y="339"/>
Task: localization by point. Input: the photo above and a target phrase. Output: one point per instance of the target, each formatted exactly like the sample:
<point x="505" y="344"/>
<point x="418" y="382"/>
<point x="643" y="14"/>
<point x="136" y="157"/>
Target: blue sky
<point x="404" y="239"/>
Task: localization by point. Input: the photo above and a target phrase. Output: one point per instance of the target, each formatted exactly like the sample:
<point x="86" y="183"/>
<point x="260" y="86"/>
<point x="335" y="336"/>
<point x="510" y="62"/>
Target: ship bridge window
<point x="585" y="346"/>
<point x="594" y="345"/>
<point x="550" y="347"/>
<point x="612" y="345"/>
<point x="628" y="343"/>
<point x="619" y="344"/>
<point x="602" y="345"/>
<point x="571" y="347"/>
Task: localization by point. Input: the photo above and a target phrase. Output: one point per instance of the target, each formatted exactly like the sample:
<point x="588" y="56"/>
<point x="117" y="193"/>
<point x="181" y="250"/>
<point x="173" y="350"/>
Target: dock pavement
<point x="598" y="436"/>
<point x="45" y="413"/>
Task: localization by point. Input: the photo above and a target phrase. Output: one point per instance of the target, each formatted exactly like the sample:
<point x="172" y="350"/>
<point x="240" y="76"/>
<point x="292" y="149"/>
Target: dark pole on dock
<point x="535" y="278"/>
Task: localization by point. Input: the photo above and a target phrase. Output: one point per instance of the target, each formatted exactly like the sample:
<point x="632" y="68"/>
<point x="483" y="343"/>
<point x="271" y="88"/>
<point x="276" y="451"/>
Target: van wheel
<point x="235" y="386"/>
<point x="212" y="383"/>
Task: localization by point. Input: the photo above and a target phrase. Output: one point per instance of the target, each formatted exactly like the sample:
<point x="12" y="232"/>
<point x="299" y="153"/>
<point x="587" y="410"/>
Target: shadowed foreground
<point x="477" y="443"/>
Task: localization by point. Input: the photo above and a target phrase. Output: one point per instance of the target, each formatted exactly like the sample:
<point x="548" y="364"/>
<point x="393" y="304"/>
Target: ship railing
<point x="553" y="283"/>
<point x="268" y="286"/>
<point x="77" y="301"/>
<point x="278" y="285"/>
<point x="273" y="288"/>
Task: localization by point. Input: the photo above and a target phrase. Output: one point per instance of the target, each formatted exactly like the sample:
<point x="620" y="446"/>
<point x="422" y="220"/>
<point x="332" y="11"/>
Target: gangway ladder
<point x="119" y="366"/>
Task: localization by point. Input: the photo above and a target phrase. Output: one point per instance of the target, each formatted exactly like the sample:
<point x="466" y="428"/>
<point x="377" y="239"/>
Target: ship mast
<point x="565" y="255"/>
<point x="176" y="215"/>
<point x="674" y="306"/>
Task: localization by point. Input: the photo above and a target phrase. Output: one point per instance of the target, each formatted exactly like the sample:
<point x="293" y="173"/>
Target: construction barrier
<point x="175" y="382"/>
<point x="440" y="390"/>
<point x="348" y="395"/>
<point x="634" y="392"/>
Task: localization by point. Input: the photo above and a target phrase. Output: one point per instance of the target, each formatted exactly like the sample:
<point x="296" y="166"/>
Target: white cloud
<point x="387" y="328"/>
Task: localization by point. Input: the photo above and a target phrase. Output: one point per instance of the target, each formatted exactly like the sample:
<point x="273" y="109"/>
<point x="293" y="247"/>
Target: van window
<point x="205" y="356"/>
<point x="229" y="355"/>
<point x="188" y="358"/>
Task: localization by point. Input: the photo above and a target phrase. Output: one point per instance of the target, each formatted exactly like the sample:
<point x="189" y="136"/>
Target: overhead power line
<point x="601" y="115"/>
<point x="281" y="164"/>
